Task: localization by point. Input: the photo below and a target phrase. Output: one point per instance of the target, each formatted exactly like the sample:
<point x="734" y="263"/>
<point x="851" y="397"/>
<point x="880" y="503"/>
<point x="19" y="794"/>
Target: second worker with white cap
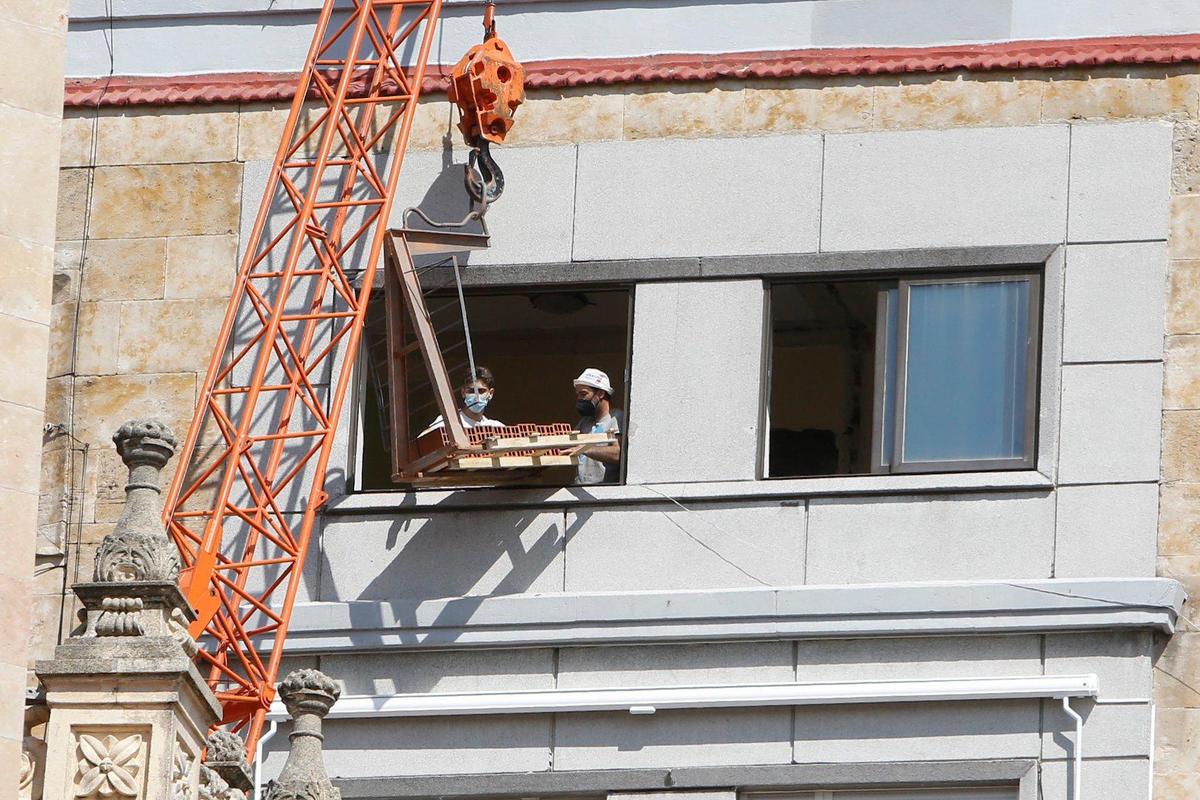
<point x="593" y="401"/>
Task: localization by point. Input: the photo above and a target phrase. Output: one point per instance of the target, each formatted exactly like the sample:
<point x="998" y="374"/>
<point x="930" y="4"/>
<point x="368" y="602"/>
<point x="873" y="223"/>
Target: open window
<point x="534" y="340"/>
<point x="903" y="375"/>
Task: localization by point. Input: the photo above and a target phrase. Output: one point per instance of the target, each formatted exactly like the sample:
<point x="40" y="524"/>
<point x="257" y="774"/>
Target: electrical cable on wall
<point x="703" y="544"/>
<point x="67" y="428"/>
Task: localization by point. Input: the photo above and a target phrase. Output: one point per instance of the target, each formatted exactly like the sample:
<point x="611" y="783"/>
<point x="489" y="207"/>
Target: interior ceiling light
<point x="560" y="302"/>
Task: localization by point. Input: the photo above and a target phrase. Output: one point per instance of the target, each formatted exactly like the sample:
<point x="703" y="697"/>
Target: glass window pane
<point x="966" y="360"/>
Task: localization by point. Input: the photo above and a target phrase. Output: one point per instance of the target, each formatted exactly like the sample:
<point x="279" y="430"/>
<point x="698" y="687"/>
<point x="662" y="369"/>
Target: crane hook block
<point x="487" y="84"/>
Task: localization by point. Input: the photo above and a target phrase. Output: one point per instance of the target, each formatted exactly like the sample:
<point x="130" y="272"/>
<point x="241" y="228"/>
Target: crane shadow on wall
<point x="462" y="556"/>
<point x="445" y="198"/>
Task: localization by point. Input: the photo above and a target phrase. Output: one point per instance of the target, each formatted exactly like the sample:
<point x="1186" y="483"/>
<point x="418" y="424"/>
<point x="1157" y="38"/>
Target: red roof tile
<point x="244" y="87"/>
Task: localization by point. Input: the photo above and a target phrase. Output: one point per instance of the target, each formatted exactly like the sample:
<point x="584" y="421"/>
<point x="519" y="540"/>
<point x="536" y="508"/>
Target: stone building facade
<point x="697" y="197"/>
<point x="34" y="36"/>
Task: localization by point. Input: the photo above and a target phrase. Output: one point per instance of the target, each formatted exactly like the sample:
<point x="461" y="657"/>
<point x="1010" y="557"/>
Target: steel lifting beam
<point x="251" y="475"/>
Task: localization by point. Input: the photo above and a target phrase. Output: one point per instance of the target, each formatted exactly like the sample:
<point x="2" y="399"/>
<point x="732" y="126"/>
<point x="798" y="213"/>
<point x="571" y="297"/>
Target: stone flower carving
<point x="109" y="766"/>
<point x="33" y="760"/>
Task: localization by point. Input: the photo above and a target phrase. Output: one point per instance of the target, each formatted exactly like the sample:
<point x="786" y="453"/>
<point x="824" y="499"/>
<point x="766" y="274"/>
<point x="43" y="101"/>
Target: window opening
<point x="534" y="342"/>
<point x="900" y="375"/>
<point x="1003" y="792"/>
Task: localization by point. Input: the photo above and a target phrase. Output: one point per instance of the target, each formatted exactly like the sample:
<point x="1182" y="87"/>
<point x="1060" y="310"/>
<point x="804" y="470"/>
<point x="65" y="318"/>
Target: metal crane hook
<point x="482" y="175"/>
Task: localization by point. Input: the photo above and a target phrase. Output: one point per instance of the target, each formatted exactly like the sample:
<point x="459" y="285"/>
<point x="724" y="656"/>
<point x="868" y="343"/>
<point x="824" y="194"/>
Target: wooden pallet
<point x="497" y="463"/>
<point x="484" y="477"/>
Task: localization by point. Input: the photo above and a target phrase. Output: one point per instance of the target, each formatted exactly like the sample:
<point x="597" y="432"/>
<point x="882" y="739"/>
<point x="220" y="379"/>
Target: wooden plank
<point x="509" y="462"/>
<point x="418" y="314"/>
<point x="402" y="447"/>
<point x="460" y="479"/>
<point x="427" y="463"/>
<point x="499" y="444"/>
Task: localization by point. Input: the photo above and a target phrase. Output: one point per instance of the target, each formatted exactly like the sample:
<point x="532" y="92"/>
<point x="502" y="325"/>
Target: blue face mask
<point x="476" y="402"/>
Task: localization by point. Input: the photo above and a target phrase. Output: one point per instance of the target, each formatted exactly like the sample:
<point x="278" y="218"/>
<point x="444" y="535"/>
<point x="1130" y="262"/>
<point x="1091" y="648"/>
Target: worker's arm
<point x="606" y="454"/>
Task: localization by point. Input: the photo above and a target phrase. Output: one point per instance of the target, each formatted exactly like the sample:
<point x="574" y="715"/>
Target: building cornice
<point x="801" y="612"/>
<point x="250" y="87"/>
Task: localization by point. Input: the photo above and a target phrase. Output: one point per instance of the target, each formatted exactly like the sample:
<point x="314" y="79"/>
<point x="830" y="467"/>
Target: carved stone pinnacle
<point x="138" y="549"/>
<point x="309" y="690"/>
<point x="308" y="695"/>
<point x="145" y="441"/>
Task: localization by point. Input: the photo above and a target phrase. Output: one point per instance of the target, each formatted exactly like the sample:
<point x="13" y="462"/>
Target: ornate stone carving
<point x="181" y="773"/>
<point x="225" y="746"/>
<point x="135" y="589"/>
<point x="26" y="771"/>
<point x="120" y="616"/>
<point x="308" y="695"/>
<point x="226" y="755"/>
<point x="108" y="766"/>
<point x="214" y="787"/>
<point x="309" y="691"/>
<point x="31" y="772"/>
<point x="138" y="549"/>
<point x="177" y="624"/>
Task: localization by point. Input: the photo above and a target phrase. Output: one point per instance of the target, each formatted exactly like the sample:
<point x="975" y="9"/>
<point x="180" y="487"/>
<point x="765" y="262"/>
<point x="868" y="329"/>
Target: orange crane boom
<point x="251" y="477"/>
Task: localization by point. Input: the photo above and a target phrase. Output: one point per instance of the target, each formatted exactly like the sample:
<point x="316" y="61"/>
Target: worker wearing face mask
<point x="476" y="392"/>
<point x="593" y="401"/>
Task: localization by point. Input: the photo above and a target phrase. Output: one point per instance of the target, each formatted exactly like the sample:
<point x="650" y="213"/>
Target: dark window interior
<point x="822" y="377"/>
<point x="535" y="342"/>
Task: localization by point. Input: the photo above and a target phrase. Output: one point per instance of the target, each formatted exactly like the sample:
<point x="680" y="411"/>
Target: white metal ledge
<point x="652" y="700"/>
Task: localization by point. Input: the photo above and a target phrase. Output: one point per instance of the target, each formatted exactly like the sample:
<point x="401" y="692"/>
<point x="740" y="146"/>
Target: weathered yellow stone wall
<point x="32" y="35"/>
<point x="148" y="213"/>
<point x="142" y="278"/>
<point x="1177" y="672"/>
<point x="729" y="108"/>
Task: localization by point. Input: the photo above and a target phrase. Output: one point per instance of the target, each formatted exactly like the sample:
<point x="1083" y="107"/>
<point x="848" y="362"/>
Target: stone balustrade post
<point x="128" y="710"/>
<point x="308" y="695"/>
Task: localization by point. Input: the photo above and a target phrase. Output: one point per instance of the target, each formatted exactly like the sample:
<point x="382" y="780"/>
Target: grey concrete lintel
<point x="873" y="261"/>
<point x="762" y="777"/>
<point x="778" y="265"/>
<point x="802" y="612"/>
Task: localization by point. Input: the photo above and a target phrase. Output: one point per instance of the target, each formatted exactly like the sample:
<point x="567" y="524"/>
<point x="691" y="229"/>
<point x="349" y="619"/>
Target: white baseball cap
<point x="596" y="379"/>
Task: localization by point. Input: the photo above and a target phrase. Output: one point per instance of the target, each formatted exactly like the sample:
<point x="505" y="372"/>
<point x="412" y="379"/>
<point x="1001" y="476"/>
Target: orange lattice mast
<point x="252" y="471"/>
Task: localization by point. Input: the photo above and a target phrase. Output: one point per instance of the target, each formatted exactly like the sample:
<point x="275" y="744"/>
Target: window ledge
<point x="773" y="489"/>
<point x="940" y="608"/>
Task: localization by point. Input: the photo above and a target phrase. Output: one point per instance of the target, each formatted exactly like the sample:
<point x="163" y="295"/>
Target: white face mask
<point x="476" y="402"/>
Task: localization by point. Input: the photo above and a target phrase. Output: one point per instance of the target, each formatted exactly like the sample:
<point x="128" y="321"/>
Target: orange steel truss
<point x="251" y="474"/>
